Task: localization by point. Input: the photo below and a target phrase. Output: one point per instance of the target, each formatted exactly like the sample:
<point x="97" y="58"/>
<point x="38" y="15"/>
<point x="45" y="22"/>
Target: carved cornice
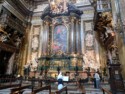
<point x="22" y="9"/>
<point x="25" y="4"/>
<point x="72" y="10"/>
<point x="13" y="10"/>
<point x="7" y="20"/>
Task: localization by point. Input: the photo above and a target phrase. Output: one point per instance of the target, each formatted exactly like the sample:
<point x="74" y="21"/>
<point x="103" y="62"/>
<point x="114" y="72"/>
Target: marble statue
<point x="108" y="31"/>
<point x="35" y="43"/>
<point x="34" y="65"/>
<point x="89" y="40"/>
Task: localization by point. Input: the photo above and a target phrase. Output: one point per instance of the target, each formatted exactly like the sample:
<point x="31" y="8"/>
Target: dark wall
<point x="4" y="58"/>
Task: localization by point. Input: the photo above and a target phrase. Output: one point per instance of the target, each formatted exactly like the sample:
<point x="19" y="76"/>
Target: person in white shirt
<point x="60" y="81"/>
<point x="97" y="80"/>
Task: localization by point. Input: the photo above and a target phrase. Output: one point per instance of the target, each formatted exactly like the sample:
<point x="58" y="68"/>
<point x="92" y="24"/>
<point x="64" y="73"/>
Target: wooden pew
<point x="82" y="89"/>
<point x="19" y="90"/>
<point x="6" y="80"/>
<point x="9" y="86"/>
<point x="41" y="89"/>
<point x="10" y="81"/>
<point x="61" y="90"/>
<point x="105" y="91"/>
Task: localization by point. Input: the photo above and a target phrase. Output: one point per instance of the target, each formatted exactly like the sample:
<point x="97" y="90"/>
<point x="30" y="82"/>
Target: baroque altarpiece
<point x="65" y="39"/>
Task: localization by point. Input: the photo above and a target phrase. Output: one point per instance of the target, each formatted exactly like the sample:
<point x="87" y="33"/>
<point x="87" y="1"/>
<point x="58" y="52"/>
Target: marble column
<point x="40" y="40"/>
<point x="45" y="38"/>
<point x="72" y="37"/>
<point x="75" y="36"/>
<point x="78" y="38"/>
<point x="49" y="38"/>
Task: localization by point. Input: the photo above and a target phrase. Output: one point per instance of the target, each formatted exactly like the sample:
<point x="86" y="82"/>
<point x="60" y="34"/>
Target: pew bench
<point x="9" y="86"/>
<point x="19" y="90"/>
<point x="41" y="89"/>
<point x="105" y="91"/>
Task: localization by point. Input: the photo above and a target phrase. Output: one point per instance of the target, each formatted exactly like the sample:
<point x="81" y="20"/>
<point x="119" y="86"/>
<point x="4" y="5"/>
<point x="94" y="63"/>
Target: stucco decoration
<point x="90" y="60"/>
<point x="89" y="40"/>
<point x="36" y="30"/>
<point x="35" y="43"/>
<point x="33" y="65"/>
<point x="33" y="62"/>
<point x="88" y="26"/>
<point x="54" y="11"/>
<point x="59" y="7"/>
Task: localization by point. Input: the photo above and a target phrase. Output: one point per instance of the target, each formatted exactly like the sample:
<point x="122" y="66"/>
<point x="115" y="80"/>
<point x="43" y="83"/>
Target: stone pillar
<point x="50" y="39"/>
<point x="78" y="38"/>
<point x="40" y="40"/>
<point x="71" y="36"/>
<point x="75" y="36"/>
<point x="45" y="38"/>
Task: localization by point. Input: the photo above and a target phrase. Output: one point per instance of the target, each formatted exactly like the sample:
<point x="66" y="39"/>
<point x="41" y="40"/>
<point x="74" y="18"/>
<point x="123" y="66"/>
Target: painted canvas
<point x="60" y="39"/>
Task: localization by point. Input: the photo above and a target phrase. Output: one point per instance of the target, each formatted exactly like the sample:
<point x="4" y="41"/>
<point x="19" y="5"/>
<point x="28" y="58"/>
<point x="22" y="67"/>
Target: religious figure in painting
<point x="60" y="39"/>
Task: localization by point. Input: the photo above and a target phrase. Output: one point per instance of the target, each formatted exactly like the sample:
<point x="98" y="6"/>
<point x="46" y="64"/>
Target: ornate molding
<point x="13" y="11"/>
